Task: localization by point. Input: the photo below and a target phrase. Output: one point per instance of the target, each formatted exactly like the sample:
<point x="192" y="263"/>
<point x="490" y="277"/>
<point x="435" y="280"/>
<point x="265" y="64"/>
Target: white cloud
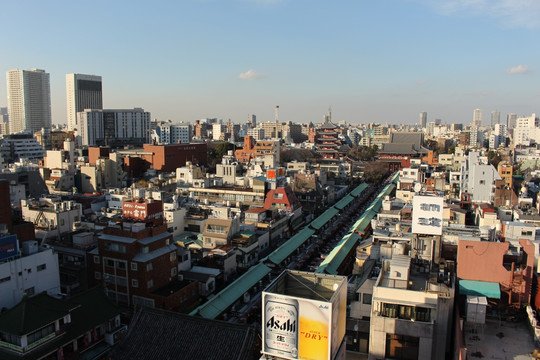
<point x="520" y="69"/>
<point x="513" y="13"/>
<point x="250" y="75"/>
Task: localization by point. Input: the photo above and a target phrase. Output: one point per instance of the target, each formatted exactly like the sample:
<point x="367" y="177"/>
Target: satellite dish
<point x="417" y="187"/>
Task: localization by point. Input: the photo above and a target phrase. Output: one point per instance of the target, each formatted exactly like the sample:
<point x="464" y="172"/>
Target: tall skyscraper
<point x="252" y="121"/>
<point x="477" y="118"/>
<point x="423" y="119"/>
<point x="29" y="100"/>
<point x="495" y="118"/>
<point x="82" y="92"/>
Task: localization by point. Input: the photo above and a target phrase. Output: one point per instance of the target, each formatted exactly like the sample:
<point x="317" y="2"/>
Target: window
<point x="6" y="279"/>
<point x="134" y="266"/>
<point x="172" y="256"/>
<point x="121" y="265"/>
<point x="366" y="299"/>
<point x="110" y="262"/>
<point x="173" y="271"/>
<point x="41" y="267"/>
<point x="115" y="247"/>
<point x="135" y="283"/>
<point x="96" y="259"/>
<point x="145" y="250"/>
<point x="149" y="267"/>
<point x="97" y="275"/>
<point x="150" y="283"/>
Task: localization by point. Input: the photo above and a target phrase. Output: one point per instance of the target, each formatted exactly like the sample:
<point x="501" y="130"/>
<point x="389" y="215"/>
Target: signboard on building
<point x="296" y="327"/>
<point x="9" y="247"/>
<point x="143" y="210"/>
<point x="427" y="215"/>
<point x="273" y="174"/>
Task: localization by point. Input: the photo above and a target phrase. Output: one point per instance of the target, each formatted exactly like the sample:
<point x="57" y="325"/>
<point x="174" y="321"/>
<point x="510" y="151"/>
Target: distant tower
<point x="477" y="118"/>
<point x="423" y="119"/>
<point x="276" y="113"/>
<point x="29" y="100"/>
<point x="252" y="121"/>
<point x="495" y="118"/>
<point x="82" y="92"/>
<point x="511" y="121"/>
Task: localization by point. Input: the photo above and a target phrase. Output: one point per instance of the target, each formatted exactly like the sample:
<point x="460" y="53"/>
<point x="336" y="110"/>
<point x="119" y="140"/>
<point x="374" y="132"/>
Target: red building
<point x="493" y="262"/>
<point x="169" y="157"/>
<point x="136" y="261"/>
<point x="327" y="142"/>
<point x="95" y="153"/>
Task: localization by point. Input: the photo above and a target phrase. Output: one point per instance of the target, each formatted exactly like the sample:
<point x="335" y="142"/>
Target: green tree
<point x="222" y="149"/>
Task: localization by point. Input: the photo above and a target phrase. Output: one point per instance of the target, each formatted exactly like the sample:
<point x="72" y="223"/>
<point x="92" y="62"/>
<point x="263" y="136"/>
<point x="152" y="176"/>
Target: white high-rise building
<point x="477" y="118"/>
<point x="495" y="118"/>
<point x="114" y="127"/>
<point x="82" y="92"/>
<point x="29" y="100"/>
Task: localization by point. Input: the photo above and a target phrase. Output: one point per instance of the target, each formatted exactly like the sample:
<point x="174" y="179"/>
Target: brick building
<point x="136" y="261"/>
<point x="170" y="157"/>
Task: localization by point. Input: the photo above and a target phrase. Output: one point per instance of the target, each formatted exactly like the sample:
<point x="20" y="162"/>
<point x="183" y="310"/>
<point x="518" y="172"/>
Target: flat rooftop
<point x="499" y="340"/>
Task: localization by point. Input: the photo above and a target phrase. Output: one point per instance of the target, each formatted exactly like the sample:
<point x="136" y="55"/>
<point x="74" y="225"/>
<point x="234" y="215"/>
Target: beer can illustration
<point x="281" y="326"/>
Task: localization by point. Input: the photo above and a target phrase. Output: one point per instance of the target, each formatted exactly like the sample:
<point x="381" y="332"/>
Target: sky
<point x="370" y="61"/>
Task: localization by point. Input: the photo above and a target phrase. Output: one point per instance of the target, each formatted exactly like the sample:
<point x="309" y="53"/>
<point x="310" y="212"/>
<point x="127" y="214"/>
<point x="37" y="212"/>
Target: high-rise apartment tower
<point x="477" y="118"/>
<point x="29" y="100"/>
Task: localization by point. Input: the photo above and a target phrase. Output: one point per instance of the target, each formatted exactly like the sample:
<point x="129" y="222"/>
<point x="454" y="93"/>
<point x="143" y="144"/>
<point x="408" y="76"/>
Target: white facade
<point x="257" y="133"/>
<point x="104" y="127"/>
<point x="51" y="217"/>
<point x="29" y="100"/>
<point x="82" y="92"/>
<point x="31" y="274"/>
<point x="477" y="118"/>
<point x="20" y="146"/>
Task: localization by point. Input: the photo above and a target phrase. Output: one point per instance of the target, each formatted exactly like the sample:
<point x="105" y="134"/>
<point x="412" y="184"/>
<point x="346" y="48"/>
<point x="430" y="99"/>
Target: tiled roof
<point x="160" y="334"/>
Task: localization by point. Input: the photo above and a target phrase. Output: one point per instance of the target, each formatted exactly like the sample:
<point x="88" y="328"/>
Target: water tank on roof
<point x="29" y="247"/>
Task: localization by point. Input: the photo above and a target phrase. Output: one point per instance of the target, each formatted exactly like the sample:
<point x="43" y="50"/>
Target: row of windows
<point x="406" y="312"/>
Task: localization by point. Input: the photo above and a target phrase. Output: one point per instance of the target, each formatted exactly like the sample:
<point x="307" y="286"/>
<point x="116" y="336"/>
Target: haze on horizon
<point x="371" y="62"/>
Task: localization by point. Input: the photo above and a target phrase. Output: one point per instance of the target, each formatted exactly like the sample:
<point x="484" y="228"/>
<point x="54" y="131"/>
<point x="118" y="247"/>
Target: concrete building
<point x="4" y="121"/>
<point x="51" y="216"/>
<point x="168" y="133"/>
<point x="495" y="118"/>
<point x="20" y="146"/>
<point x="477" y="118"/>
<point x="82" y="92"/>
<point x="29" y="100"/>
<point x="32" y="271"/>
<point x="411" y="313"/>
<point x="423" y="119"/>
<point x="137" y="263"/>
<point x="527" y="130"/>
<point x="114" y="127"/>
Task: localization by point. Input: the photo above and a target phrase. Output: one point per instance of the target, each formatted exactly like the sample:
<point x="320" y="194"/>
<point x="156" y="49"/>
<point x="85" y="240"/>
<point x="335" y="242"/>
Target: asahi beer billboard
<point x="301" y="328"/>
<point x="427" y="216"/>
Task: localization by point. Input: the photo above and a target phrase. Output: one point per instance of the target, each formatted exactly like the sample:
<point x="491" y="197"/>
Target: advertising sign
<point x="9" y="247"/>
<point x="302" y="328"/>
<point x="427" y="216"/>
<point x="142" y="211"/>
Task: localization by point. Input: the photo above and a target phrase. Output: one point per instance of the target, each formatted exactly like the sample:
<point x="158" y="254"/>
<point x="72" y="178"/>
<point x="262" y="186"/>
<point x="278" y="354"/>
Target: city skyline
<point x="381" y="62"/>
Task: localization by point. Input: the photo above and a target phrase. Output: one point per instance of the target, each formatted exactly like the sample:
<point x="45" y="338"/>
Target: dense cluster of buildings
<point x="120" y="216"/>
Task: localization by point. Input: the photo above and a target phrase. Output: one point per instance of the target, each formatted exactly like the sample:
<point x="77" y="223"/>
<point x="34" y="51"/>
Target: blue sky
<point x="371" y="61"/>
